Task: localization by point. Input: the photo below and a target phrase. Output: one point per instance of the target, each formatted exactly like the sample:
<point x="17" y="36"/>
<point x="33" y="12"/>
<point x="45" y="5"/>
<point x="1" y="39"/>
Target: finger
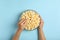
<point x="41" y="20"/>
<point x="22" y="20"/>
<point x="40" y="17"/>
<point x="41" y="23"/>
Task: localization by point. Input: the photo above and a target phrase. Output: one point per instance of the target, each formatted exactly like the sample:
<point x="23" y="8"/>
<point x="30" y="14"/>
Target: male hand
<point x="41" y="23"/>
<point x="22" y="24"/>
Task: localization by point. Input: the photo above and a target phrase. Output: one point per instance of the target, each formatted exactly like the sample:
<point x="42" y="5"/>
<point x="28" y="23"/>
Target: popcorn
<point x="33" y="19"/>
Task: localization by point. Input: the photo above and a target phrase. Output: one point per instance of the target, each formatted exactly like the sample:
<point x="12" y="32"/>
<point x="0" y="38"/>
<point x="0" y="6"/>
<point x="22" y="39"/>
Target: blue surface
<point x="11" y="9"/>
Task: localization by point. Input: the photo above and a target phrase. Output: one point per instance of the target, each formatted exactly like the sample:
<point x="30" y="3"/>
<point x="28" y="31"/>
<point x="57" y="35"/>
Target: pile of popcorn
<point x="33" y="19"/>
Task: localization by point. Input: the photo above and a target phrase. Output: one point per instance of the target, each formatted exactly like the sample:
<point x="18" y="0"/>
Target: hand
<point x="41" y="24"/>
<point x="22" y="24"/>
<point x="41" y="35"/>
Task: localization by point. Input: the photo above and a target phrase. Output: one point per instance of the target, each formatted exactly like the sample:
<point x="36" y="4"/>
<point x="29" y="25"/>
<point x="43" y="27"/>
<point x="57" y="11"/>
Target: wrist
<point x="39" y="28"/>
<point x="20" y="29"/>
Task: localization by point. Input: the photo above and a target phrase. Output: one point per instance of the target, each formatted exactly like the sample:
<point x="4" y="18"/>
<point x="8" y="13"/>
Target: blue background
<point x="10" y="11"/>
